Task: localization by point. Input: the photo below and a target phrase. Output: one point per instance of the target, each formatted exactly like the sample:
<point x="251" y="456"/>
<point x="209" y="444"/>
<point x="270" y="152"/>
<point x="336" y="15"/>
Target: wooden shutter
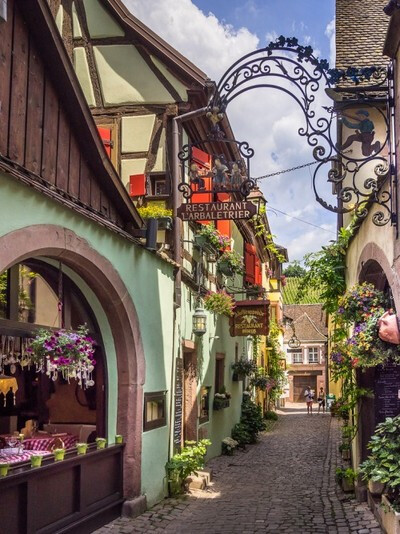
<point x="105" y="134"/>
<point x="249" y="263"/>
<point x="137" y="185"/>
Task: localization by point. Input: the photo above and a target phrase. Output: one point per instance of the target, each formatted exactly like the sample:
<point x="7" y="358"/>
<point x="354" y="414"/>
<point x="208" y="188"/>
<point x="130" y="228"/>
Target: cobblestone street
<point x="284" y="484"/>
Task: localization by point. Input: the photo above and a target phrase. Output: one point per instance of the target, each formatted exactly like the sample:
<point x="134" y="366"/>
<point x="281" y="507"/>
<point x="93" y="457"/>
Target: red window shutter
<point x="203" y="162"/>
<point x="258" y="273"/>
<point x="105" y="134"/>
<point x="224" y="228"/>
<point x="250" y="263"/>
<point x="137" y="185"/>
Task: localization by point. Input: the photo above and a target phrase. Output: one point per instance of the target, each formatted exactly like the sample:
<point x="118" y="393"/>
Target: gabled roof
<point x="41" y="24"/>
<point x="309" y="322"/>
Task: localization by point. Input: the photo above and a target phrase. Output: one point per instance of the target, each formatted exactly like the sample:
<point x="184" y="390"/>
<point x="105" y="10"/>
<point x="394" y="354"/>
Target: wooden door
<point x="190" y="408"/>
<point x="300" y="383"/>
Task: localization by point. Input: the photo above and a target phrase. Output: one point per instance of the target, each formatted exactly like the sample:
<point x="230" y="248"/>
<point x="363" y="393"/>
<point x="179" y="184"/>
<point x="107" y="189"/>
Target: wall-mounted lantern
<point x="199" y="321"/>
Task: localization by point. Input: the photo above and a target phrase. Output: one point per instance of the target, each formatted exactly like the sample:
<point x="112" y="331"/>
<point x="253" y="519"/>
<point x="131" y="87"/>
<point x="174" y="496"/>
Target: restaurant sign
<point x="250" y="318"/>
<point x="217" y="211"/>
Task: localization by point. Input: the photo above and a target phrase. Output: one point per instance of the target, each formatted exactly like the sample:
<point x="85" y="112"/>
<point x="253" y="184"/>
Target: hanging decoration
<point x="13" y="352"/>
<point x="70" y="354"/>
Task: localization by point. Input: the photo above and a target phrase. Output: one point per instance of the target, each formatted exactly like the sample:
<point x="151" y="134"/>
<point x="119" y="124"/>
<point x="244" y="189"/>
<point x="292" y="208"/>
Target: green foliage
<point x="154" y="211"/>
<point x="186" y="462"/>
<point x="275" y="355"/>
<point x="233" y="260"/>
<point x="244" y="367"/>
<point x="214" y="238"/>
<point x="383" y="465"/>
<point x="220" y="303"/>
<point x="344" y="447"/>
<point x="3" y="290"/>
<point x="294" y="270"/>
<point x="261" y="230"/>
<point x="291" y="294"/>
<point x="250" y="425"/>
<point x="271" y="416"/>
<point x="326" y="270"/>
<point x="349" y="474"/>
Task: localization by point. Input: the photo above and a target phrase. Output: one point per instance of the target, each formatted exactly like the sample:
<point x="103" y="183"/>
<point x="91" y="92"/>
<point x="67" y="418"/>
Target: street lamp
<point x="199" y="321"/>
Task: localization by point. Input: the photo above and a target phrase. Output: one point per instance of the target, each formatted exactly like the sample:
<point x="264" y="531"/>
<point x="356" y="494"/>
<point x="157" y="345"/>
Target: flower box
<point x="375" y="488"/>
<point x="347" y="484"/>
<point x="238" y="377"/>
<point x="164" y="223"/>
<point x="224" y="267"/>
<point x="390" y="519"/>
<point x="220" y="404"/>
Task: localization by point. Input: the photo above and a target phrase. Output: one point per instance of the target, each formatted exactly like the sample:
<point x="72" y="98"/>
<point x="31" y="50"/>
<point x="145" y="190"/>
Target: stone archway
<point x="99" y="274"/>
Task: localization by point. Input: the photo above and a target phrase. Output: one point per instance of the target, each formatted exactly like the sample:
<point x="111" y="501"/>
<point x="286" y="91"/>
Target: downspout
<point x="176" y="198"/>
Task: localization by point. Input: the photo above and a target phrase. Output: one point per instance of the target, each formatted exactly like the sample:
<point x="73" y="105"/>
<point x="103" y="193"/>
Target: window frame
<point x="315" y="350"/>
<point x="219" y="372"/>
<point x="293" y="354"/>
<point x="156" y="423"/>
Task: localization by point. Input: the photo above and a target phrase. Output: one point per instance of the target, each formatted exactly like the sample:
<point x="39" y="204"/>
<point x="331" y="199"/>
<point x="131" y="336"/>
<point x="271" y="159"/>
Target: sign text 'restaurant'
<point x="217" y="211"/>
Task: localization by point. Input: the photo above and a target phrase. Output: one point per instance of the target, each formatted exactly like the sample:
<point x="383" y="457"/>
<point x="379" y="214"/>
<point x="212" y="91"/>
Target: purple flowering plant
<point x="70" y="353"/>
<point x="359" y="302"/>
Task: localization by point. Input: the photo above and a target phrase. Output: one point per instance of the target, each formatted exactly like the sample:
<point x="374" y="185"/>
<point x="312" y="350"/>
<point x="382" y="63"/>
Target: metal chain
<point x="286" y="170"/>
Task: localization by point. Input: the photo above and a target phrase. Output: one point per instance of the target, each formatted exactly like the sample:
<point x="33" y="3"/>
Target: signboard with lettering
<point x="178" y="416"/>
<point x="250" y="318"/>
<point x="217" y="211"/>
<point x="387" y="392"/>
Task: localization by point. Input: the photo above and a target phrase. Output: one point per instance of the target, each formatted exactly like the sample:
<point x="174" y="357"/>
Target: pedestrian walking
<point x="309" y="396"/>
<point x="321" y="400"/>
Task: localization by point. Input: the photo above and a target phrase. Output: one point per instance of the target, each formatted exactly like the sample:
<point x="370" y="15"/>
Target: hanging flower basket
<point x="224" y="267"/>
<point x="210" y="239"/>
<point x="70" y="354"/>
<point x="242" y="368"/>
<point x="230" y="263"/>
<point x="220" y="303"/>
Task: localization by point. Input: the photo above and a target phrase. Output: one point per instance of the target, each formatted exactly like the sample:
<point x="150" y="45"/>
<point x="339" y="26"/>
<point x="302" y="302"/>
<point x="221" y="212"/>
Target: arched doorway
<point x="116" y="315"/>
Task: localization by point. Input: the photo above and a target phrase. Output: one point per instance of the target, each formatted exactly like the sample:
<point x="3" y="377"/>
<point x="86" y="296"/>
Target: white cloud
<point x="330" y="32"/>
<point x="269" y="120"/>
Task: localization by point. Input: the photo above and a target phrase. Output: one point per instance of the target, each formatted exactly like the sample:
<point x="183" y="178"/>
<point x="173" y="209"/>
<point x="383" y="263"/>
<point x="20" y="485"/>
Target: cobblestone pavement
<point x="284" y="484"/>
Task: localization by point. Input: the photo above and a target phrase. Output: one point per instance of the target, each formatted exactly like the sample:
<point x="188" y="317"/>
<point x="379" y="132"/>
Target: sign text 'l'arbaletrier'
<point x="217" y="211"/>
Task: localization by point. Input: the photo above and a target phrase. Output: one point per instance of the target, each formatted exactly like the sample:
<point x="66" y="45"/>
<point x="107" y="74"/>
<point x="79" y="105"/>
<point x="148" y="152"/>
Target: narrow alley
<point x="283" y="484"/>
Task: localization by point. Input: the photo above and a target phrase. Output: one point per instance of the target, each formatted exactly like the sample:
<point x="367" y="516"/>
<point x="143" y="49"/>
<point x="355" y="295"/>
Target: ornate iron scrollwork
<point x="229" y="177"/>
<point x="361" y="164"/>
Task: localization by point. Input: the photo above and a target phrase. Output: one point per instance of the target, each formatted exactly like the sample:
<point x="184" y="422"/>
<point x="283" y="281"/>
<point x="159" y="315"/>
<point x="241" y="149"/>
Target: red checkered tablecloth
<point x="48" y="442"/>
<point x="23" y="457"/>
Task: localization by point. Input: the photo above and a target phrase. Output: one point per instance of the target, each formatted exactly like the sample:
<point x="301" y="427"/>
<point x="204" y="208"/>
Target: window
<point x="313" y="355"/>
<point x="204" y="404"/>
<point x="160" y="188"/>
<point x="297" y="357"/>
<point x="154" y="410"/>
<point x="219" y="372"/>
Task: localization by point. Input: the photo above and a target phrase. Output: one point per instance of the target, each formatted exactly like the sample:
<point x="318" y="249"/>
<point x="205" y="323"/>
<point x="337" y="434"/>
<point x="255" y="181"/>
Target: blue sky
<point x="214" y="34"/>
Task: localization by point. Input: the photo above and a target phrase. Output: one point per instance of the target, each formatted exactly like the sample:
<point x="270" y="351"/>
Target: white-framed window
<point x="297" y="357"/>
<point x="313" y="356"/>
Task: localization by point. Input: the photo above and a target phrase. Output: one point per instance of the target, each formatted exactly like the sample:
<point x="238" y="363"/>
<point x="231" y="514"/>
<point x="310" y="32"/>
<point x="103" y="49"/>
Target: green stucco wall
<point x="148" y="280"/>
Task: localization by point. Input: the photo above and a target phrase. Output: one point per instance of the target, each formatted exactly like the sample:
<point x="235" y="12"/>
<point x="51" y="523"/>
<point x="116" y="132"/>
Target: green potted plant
<point x="59" y="455"/>
<point x="4" y="469"/>
<point x="119" y="439"/>
<point x="383" y="466"/>
<point x="209" y="239"/>
<point x="220" y="303"/>
<point x="344" y="449"/>
<point x="372" y="475"/>
<point x="36" y="460"/>
<point x="101" y="443"/>
<point x="221" y="399"/>
<point x="346" y="478"/>
<point x="230" y="263"/>
<point x="228" y="446"/>
<point x="242" y="368"/>
<point x="81" y="448"/>
<point x="155" y="211"/>
<point x="185" y="463"/>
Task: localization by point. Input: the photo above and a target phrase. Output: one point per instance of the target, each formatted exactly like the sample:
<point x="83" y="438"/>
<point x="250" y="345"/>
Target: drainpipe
<point x="176" y="198"/>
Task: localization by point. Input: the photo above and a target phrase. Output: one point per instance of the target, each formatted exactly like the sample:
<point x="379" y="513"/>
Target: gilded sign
<point x="217" y="211"/>
<point x="251" y="318"/>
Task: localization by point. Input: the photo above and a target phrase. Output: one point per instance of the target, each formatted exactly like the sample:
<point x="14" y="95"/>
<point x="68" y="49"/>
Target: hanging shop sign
<point x="217" y="211"/>
<point x="250" y="318"/>
<point x="178" y="409"/>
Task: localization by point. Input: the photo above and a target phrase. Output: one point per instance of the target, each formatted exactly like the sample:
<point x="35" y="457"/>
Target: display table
<point x="46" y="442"/>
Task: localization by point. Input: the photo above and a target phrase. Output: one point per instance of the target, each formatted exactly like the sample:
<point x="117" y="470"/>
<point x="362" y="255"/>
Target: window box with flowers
<point x="230" y="263"/>
<point x="255" y="291"/>
<point x="243" y="368"/>
<point x="221" y="401"/>
<point x="154" y="211"/>
<point x="209" y="239"/>
<point x="220" y="303"/>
